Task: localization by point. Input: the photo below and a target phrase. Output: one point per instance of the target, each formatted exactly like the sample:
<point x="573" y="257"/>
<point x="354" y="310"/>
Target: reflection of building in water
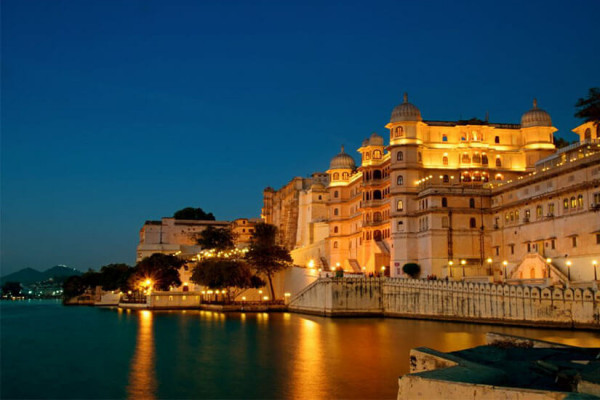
<point x="472" y="192"/>
<point x="142" y="375"/>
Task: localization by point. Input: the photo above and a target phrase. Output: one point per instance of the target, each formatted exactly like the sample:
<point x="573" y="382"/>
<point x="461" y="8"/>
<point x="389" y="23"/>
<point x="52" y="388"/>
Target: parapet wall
<point x="457" y="301"/>
<point x="340" y="297"/>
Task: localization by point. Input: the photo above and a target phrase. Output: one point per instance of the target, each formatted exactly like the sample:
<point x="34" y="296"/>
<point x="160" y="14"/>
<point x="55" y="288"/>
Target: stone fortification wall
<point x="493" y="303"/>
<point x="340" y="297"/>
<point x="457" y="301"/>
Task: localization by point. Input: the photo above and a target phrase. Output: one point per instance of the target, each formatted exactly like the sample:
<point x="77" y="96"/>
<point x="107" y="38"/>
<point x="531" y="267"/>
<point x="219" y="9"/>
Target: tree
<point x="193" y="213"/>
<point x="216" y="238"/>
<point x="589" y="108"/>
<point x="560" y="142"/>
<point x="412" y="269"/>
<point x="115" y="276"/>
<point x="161" y="270"/>
<point x="222" y="273"/>
<point x="265" y="256"/>
<point x="11" y="289"/>
<point x="73" y="287"/>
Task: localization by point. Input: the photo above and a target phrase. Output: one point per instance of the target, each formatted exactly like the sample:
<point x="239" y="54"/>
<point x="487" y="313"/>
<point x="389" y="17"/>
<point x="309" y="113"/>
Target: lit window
<point x="345" y="175"/>
<point x="400" y="205"/>
<point x="466" y="159"/>
<point x="566" y="204"/>
<point x="336" y="176"/>
<point x="573" y="202"/>
<point x="376" y="155"/>
<point x="580" y="201"/>
<point x="399" y="131"/>
<point x="539" y="211"/>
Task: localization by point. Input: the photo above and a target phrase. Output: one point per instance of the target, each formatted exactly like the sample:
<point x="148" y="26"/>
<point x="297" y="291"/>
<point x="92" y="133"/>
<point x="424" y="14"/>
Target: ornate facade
<point x="460" y="198"/>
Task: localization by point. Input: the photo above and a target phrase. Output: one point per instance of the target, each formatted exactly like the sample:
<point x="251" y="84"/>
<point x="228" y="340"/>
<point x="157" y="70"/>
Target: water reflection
<point x="308" y="377"/>
<point x="142" y="375"/>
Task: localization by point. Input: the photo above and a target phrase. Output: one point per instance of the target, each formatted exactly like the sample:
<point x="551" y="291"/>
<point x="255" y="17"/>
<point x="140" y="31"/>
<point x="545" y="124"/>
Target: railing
<point x="134" y="299"/>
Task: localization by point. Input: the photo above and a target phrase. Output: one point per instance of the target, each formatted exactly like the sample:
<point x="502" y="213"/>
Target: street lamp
<point x="548" y="262"/>
<point x="450" y="264"/>
<point x="569" y="263"/>
<point x="505" y="263"/>
<point x="463" y="262"/>
<point x="383" y="271"/>
<point x="489" y="261"/>
<point x="595" y="264"/>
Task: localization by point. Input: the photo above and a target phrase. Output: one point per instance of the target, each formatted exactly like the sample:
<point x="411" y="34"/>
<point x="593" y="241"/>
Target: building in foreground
<point x="508" y="367"/>
<point x="460" y="198"/>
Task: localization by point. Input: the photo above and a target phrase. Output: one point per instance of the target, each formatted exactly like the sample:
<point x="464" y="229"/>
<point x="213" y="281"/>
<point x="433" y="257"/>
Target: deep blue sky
<point x="115" y="112"/>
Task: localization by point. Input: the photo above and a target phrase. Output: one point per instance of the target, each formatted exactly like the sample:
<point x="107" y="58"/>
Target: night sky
<point x="117" y="112"/>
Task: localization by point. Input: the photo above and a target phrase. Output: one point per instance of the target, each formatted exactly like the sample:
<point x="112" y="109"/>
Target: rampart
<point x="455" y="301"/>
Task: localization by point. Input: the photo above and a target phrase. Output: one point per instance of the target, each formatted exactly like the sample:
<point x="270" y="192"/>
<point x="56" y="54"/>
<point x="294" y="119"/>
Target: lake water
<point x="51" y="351"/>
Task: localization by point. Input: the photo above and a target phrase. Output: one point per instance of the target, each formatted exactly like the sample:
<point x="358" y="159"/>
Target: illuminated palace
<point x="460" y="198"/>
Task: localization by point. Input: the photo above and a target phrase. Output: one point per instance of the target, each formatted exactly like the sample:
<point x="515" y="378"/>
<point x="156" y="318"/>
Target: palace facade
<point x="460" y="198"/>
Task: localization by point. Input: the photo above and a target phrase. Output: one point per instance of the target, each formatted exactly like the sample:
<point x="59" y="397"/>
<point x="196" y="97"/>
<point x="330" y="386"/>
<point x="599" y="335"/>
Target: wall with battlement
<point x="442" y="300"/>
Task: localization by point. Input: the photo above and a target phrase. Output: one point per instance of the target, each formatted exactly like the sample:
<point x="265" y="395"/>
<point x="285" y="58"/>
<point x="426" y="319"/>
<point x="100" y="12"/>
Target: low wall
<point x="340" y="297"/>
<point x="173" y="300"/>
<point x="456" y="301"/>
<point x="492" y="303"/>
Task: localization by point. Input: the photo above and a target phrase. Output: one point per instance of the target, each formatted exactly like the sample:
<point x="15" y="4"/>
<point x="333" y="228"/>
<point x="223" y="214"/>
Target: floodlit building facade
<point x="460" y="198"/>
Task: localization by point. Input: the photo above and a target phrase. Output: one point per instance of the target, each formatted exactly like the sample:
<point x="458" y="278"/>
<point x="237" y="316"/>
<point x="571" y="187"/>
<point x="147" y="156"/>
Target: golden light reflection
<point x="142" y="378"/>
<point x="309" y="377"/>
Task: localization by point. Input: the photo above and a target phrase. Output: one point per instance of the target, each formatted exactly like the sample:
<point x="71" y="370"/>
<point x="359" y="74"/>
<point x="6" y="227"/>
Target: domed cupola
<point x="375" y="140"/>
<point x="342" y="161"/>
<point x="406" y="112"/>
<point x="535" y="117"/>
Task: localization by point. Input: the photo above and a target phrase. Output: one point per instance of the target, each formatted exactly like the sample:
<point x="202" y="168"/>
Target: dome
<point x="405" y="112"/>
<point x="365" y="142"/>
<point x="375" y="140"/>
<point x="342" y="161"/>
<point x="535" y="117"/>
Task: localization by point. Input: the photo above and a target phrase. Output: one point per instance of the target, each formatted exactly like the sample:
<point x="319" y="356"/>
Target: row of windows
<point x="377" y="216"/>
<point x="376" y="155"/>
<point x="575" y="202"/>
<point x="376" y="194"/>
<point x="549" y="244"/>
<point x="375" y="174"/>
<point x="336" y="176"/>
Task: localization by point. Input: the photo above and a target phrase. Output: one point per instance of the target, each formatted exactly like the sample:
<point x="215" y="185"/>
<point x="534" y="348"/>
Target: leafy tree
<point x="115" y="276"/>
<point x="560" y="142"/>
<point x="216" y="238"/>
<point x="161" y="269"/>
<point x="12" y="289"/>
<point x="193" y="213"/>
<point x="589" y="108"/>
<point x="90" y="279"/>
<point x="265" y="256"/>
<point x="412" y="269"/>
<point x="222" y="273"/>
<point x="73" y="287"/>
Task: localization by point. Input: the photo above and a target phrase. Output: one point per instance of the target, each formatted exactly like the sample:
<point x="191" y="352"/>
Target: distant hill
<point x="30" y="275"/>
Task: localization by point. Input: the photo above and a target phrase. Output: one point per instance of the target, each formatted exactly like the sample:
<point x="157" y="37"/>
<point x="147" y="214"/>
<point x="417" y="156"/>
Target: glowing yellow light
<point x="450" y="263"/>
<point x="311" y="264"/>
<point x="594" y="263"/>
<point x="569" y="263"/>
<point x="489" y="260"/>
<point x="548" y="260"/>
<point x="260" y="292"/>
<point x="287" y="294"/>
<point x="148" y="282"/>
<point x="505" y="263"/>
<point x="266" y="298"/>
<point x="463" y="262"/>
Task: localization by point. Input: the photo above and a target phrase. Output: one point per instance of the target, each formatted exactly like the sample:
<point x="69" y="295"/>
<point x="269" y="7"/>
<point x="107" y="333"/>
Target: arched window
<point x="472" y="223"/>
<point x="419" y="157"/>
<point x="497" y="139"/>
<point x="566" y="204"/>
<point x="345" y="175"/>
<point x="498" y="177"/>
<point x="539" y="212"/>
<point x="444" y="138"/>
<point x="498" y="162"/>
<point x="400" y="180"/>
<point x="336" y="176"/>
<point x="367" y="156"/>
<point x="580" y="201"/>
<point x="377" y="236"/>
<point x="476" y="158"/>
<point x="445" y="160"/>
<point x="399" y="131"/>
<point x="335" y="229"/>
<point x="376" y="155"/>
<point x="465" y="159"/>
<point x="588" y="134"/>
<point x="446" y="178"/>
<point x="400" y="156"/>
<point x="444" y="202"/>
<point x="573" y="202"/>
<point x="335" y="245"/>
<point x="336" y="194"/>
<point x="377" y="216"/>
<point x="471" y="203"/>
<point x="377" y="195"/>
<point x="484" y="159"/>
<point x="377" y="174"/>
<point x="400" y="205"/>
<point x="336" y="211"/>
